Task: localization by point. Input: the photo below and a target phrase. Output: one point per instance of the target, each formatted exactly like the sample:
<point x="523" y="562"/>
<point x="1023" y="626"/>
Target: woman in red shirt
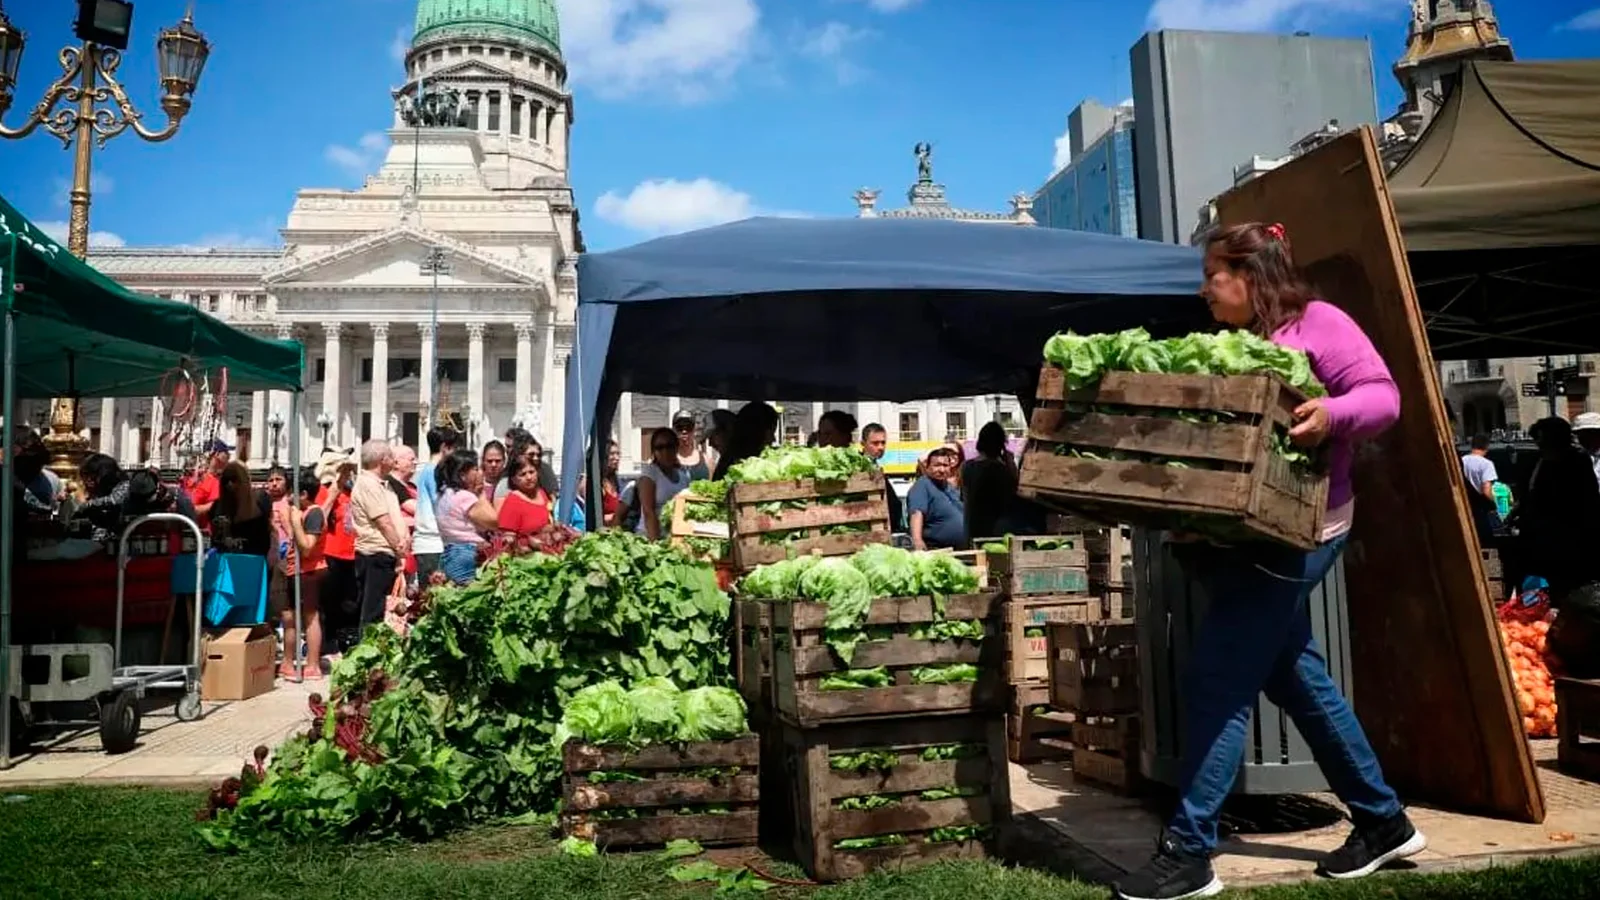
<point x="526" y="509"/>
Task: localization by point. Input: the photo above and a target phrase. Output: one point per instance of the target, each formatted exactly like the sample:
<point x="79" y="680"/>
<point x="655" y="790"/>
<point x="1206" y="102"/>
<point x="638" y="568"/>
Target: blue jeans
<point x="459" y="562"/>
<point x="1256" y="638"/>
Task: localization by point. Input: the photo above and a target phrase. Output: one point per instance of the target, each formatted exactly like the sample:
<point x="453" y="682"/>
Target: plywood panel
<point x="1431" y="680"/>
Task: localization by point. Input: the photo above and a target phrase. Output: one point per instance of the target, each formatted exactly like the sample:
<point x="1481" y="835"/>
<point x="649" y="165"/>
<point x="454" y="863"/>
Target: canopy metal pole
<point x="294" y="498"/>
<point x="8" y="512"/>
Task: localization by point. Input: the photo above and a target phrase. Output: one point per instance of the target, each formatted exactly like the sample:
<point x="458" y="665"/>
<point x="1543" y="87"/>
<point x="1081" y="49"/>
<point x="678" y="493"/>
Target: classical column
<point x="128" y="452"/>
<point x="425" y="330"/>
<point x="549" y="386"/>
<point x="932" y="426"/>
<point x="380" y="380"/>
<point x="555" y="407"/>
<point x="108" y="426"/>
<point x="475" y="368"/>
<point x="278" y="402"/>
<point x="558" y="136"/>
<point x="627" y="434"/>
<point x="524" y="364"/>
<point x="982" y="414"/>
<point x="258" y="429"/>
<point x="331" y="354"/>
<point x="157" y="426"/>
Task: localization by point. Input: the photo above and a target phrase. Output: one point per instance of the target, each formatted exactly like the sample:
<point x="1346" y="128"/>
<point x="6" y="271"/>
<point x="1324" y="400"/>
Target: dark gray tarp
<point x="1499" y="204"/>
<point x="853" y="309"/>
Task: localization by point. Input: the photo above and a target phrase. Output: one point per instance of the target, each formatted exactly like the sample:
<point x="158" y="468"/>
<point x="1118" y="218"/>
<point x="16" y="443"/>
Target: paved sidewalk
<point x="169" y="751"/>
<point x="1120" y="832"/>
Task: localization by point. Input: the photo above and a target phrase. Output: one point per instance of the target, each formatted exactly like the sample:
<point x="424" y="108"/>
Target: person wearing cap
<point x="1586" y="428"/>
<point x="206" y="489"/>
<point x="690" y="457"/>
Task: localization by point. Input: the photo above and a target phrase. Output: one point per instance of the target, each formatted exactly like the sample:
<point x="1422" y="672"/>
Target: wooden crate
<point x="807" y="508"/>
<point x="1110" y="558"/>
<point x="683" y="527"/>
<point x="1028" y="658"/>
<point x="1105" y="749"/>
<point x="668" y="787"/>
<point x="819" y="788"/>
<point x="1232" y="482"/>
<point x="1094" y="669"/>
<point x="1578" y="727"/>
<point x="1036" y="565"/>
<point x="1031" y="737"/>
<point x="1494" y="574"/>
<point x="752" y="661"/>
<point x="801" y="659"/>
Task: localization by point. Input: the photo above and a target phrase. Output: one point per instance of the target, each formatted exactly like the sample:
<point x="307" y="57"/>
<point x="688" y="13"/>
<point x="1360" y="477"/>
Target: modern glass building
<point x="1094" y="192"/>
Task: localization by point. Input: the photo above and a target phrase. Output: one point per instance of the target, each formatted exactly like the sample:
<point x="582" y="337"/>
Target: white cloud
<point x="401" y="45"/>
<point x="100" y="185"/>
<point x="58" y="230"/>
<point x="361" y="159"/>
<point x="1063" y="154"/>
<point x="668" y="206"/>
<point x="684" y="49"/>
<point x="1254" y="15"/>
<point x="1587" y="21"/>
<point x="830" y="45"/>
<point x="891" y="6"/>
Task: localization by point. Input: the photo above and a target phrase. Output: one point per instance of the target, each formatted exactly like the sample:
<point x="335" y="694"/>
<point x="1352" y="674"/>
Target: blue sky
<point x="688" y="112"/>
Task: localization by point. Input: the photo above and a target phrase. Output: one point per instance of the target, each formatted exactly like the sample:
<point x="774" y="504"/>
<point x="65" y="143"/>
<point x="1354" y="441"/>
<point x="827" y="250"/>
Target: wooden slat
<point x="901" y="651"/>
<point x="749" y="550"/>
<point x="1440" y="710"/>
<point x="911" y="815"/>
<point x="745" y="751"/>
<point x="909" y="775"/>
<point x="1146" y="434"/>
<point x="850" y="864"/>
<point x="803" y="488"/>
<point x="589" y="796"/>
<point x="809" y="616"/>
<point x="1135" y="483"/>
<point x="739" y="827"/>
<point x="752" y="520"/>
<point x="820" y="706"/>
<point x="1238" y="394"/>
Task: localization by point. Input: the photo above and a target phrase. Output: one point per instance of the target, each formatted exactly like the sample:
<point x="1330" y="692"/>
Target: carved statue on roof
<point x="924" y="153"/>
<point x="438" y="108"/>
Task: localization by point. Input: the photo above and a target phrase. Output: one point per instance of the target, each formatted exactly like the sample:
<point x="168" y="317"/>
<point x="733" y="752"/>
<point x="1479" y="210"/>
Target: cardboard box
<point x="238" y="663"/>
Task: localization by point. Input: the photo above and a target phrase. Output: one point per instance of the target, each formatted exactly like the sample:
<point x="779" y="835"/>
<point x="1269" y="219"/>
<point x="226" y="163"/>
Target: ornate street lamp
<point x="94" y="108"/>
<point x="275" y="423"/>
<point x="325" y="422"/>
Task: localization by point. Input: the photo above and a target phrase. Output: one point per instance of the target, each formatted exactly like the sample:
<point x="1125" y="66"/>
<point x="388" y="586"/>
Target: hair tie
<point x="1276" y="231"/>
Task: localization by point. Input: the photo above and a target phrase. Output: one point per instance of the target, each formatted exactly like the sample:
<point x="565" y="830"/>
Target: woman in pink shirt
<point x="1256" y="635"/>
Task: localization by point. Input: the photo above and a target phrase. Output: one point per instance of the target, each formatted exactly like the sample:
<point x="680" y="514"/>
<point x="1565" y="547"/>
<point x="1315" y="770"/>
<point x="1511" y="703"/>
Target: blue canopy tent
<point x="852" y="309"/>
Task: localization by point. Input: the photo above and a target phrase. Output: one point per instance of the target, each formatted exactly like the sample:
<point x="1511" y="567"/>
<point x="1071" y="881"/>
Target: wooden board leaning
<point x="626" y="798"/>
<point x="1228" y="475"/>
<point x="881" y="795"/>
<point x="772" y="521"/>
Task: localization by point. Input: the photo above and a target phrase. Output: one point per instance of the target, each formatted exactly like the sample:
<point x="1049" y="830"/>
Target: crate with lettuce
<point x="697" y="520"/>
<point x="1186" y="434"/>
<point x="883" y="632"/>
<point x="651" y="764"/>
<point x="898" y="792"/>
<point x="800" y="501"/>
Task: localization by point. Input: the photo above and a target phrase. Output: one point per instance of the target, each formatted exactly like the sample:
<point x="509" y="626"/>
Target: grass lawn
<point x="76" y="843"/>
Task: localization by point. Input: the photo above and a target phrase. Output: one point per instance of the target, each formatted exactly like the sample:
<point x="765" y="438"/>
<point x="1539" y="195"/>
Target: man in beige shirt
<point x="381" y="538"/>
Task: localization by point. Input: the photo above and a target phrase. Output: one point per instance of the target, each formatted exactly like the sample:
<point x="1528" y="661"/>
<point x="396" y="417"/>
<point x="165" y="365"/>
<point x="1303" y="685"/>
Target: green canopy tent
<point x="70" y="331"/>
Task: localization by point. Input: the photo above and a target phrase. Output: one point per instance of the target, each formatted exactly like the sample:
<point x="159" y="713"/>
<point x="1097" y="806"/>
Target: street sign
<point x="1533" y="390"/>
<point x="1563" y="374"/>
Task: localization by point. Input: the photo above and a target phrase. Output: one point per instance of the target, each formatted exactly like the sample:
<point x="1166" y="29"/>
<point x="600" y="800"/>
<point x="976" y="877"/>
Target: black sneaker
<point x="1370" y="848"/>
<point x="1170" y="875"/>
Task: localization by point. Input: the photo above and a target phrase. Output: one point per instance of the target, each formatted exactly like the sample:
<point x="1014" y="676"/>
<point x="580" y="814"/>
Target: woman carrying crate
<point x="1256" y="636"/>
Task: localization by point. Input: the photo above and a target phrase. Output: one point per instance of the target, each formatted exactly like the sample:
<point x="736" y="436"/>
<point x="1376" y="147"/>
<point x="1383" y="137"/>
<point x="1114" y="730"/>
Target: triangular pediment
<point x="469" y="69"/>
<point x="393" y="258"/>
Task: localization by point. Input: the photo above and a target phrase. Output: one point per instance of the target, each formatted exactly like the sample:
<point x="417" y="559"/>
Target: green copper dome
<point x="518" y="21"/>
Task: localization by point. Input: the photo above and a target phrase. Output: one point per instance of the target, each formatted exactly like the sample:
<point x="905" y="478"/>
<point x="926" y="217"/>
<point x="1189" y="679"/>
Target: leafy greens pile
<point x="654" y="711"/>
<point x="788" y="462"/>
<point x="1085" y="358"/>
<point x="848" y="585"/>
<point x="783" y="463"/>
<point x="705" y="501"/>
<point x="461" y="716"/>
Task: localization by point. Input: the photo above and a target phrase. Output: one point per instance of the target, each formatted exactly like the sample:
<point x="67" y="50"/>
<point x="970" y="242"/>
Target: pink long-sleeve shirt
<point x="1362" y="398"/>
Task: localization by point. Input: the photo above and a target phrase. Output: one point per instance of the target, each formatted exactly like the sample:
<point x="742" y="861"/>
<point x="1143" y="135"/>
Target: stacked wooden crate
<point x="1044" y="580"/>
<point x="1094" y="676"/>
<point x="893" y="775"/>
<point x="707" y="792"/>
